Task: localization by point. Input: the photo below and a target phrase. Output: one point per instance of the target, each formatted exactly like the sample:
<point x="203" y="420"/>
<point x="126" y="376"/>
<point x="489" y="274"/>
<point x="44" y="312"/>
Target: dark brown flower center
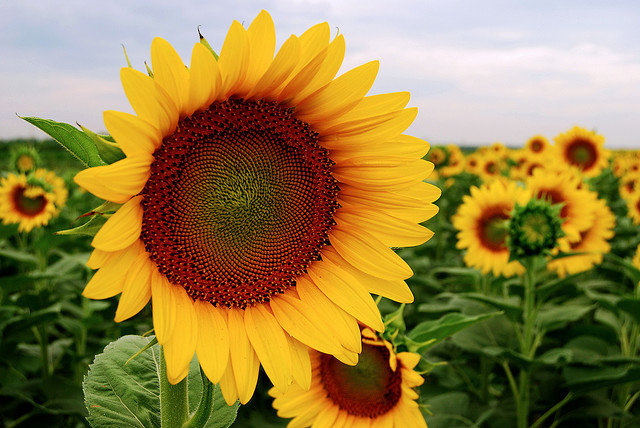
<point x="240" y="200"/>
<point x="27" y="206"/>
<point x="368" y="389"/>
<point x="582" y="153"/>
<point x="491" y="228"/>
<point x="536" y="146"/>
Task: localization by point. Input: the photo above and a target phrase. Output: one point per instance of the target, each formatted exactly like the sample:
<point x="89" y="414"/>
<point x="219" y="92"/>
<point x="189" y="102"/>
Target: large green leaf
<point x="555" y="317"/>
<point x="121" y="394"/>
<point x="429" y="332"/>
<point x="75" y="141"/>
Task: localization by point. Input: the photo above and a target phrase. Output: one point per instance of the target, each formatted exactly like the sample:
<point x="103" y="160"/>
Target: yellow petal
<point x="117" y="182"/>
<point x="342" y="324"/>
<point x="98" y="258"/>
<point x="369" y="254"/>
<point x="384" y="173"/>
<point x="392" y="231"/>
<point x="213" y="341"/>
<point x="299" y="79"/>
<point x="122" y="229"/>
<point x="179" y="350"/>
<point x="149" y="100"/>
<point x="374" y="131"/>
<point x="283" y="64"/>
<point x="262" y="46"/>
<point x="205" y="81"/>
<point x="233" y="60"/>
<point x="243" y="358"/>
<point x="133" y="134"/>
<point x="313" y="41"/>
<point x="339" y="96"/>
<point x="396" y="289"/>
<point x="345" y="291"/>
<point x="228" y="385"/>
<point x="270" y="344"/>
<point x="326" y="71"/>
<point x="109" y="280"/>
<point x="292" y="316"/>
<point x="164" y="306"/>
<point x="136" y="290"/>
<point x="370" y="106"/>
<point x="300" y="363"/>
<point x="170" y="73"/>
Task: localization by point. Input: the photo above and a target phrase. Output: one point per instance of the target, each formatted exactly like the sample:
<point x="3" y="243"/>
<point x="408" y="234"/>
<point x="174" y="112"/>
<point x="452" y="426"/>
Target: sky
<point x="479" y="71"/>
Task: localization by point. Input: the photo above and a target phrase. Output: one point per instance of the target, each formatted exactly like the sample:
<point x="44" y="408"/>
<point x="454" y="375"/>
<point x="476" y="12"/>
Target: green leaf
<point x="109" y="151"/>
<point x="631" y="307"/>
<point x="510" y="309"/>
<point x="75" y="141"/>
<point x="429" y="332"/>
<point x="120" y="394"/>
<point x="555" y="317"/>
<point x="585" y="379"/>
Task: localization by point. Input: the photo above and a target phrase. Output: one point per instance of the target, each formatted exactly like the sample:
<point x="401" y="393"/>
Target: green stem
<point x="552" y="410"/>
<point x="40" y="333"/>
<point x="202" y="415"/>
<point x="528" y="342"/>
<point x="174" y="401"/>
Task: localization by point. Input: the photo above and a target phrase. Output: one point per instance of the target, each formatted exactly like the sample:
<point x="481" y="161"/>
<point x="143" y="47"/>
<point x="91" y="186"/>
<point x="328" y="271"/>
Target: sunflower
<point x="24" y="159"/>
<point x="633" y="206"/>
<point x="378" y="391"/>
<point x="583" y="149"/>
<point x="593" y="243"/>
<point x="491" y="166"/>
<point x="629" y="183"/>
<point x="538" y="145"/>
<point x="260" y="198"/>
<point x="31" y="201"/>
<point x="565" y="187"/>
<point x="473" y="163"/>
<point x="481" y="221"/>
<point x="455" y="162"/>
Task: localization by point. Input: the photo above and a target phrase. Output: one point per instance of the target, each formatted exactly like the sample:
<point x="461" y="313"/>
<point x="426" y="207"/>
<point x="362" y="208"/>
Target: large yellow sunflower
<point x="260" y="198"/>
<point x="593" y="243"/>
<point x="583" y="149"/>
<point x="377" y="392"/>
<point x="565" y="187"/>
<point x="482" y="230"/>
<point x="31" y="201"/>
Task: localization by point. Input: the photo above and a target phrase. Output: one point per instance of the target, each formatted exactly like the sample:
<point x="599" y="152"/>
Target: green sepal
<point x="109" y="151"/>
<point x="89" y="228"/>
<point x="154" y="341"/>
<point x="126" y="56"/>
<point x="149" y="71"/>
<point x="206" y="44"/>
<point x="79" y="144"/>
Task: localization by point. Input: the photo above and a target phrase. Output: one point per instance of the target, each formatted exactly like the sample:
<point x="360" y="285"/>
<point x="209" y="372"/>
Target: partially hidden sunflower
<point x="582" y="149"/>
<point x="633" y="206"/>
<point x="24" y="159"/>
<point x="565" y="187"/>
<point x="260" y="198"/>
<point x="377" y="392"/>
<point x="593" y="243"/>
<point x="31" y="201"/>
<point x="481" y="221"/>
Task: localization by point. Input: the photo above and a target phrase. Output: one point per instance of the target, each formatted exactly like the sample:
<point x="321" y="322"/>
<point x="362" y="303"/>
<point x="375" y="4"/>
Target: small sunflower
<point x="593" y="243"/>
<point x="538" y="145"/>
<point x="629" y="184"/>
<point x="473" y="163"/>
<point x="24" y="159"/>
<point x="455" y="162"/>
<point x="633" y="207"/>
<point x="491" y="166"/>
<point x="499" y="150"/>
<point x="31" y="201"/>
<point x="583" y="149"/>
<point x="566" y="188"/>
<point x="482" y="221"/>
<point x="377" y="392"/>
<point x="260" y="201"/>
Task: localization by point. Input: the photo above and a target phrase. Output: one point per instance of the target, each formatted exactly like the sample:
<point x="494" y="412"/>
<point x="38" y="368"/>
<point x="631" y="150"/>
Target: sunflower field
<point x="261" y="245"/>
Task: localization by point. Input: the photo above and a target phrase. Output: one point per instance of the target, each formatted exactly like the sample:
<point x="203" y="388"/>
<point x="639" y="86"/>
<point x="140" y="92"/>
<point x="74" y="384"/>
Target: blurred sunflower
<point x="491" y="166"/>
<point x="633" y="206"/>
<point x="566" y="188"/>
<point x="261" y="197"/>
<point x="473" y="163"/>
<point x="455" y="162"/>
<point x="593" y="243"/>
<point x="24" y="159"/>
<point x="481" y="221"/>
<point x="31" y="201"/>
<point x="629" y="183"/>
<point x="378" y="391"/>
<point x="583" y="149"/>
<point x="537" y="145"/>
<point x="499" y="150"/>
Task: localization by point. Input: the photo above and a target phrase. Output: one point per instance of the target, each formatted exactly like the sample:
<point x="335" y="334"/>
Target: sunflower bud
<point x="534" y="229"/>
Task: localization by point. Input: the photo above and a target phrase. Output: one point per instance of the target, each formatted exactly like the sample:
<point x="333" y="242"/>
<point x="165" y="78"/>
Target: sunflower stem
<point x="205" y="408"/>
<point x="174" y="401"/>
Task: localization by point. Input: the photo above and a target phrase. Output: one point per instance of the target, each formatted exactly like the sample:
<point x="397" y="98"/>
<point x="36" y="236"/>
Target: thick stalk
<point x="527" y="347"/>
<point x="174" y="401"/>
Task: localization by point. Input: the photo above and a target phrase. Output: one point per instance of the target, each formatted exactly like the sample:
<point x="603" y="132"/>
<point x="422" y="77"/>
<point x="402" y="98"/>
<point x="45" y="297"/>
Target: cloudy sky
<point x="479" y="71"/>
